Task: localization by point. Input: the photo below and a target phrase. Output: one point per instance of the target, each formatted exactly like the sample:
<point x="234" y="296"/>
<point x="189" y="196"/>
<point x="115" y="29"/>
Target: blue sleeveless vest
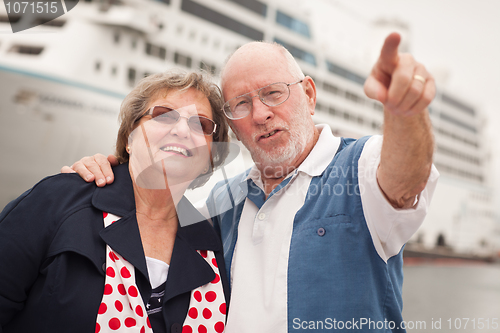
<point x="336" y="279"/>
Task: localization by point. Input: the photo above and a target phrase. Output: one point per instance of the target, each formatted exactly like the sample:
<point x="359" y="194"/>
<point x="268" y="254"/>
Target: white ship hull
<point x="46" y="123"/>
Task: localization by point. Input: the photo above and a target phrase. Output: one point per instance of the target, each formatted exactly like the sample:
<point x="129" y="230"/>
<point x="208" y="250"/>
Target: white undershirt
<point x="158" y="271"/>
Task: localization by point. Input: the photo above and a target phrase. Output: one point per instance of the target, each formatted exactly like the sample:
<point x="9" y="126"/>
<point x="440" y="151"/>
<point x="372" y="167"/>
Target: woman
<point x="130" y="268"/>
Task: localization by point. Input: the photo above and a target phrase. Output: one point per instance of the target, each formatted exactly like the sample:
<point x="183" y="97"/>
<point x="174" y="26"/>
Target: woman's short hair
<point x="135" y="103"/>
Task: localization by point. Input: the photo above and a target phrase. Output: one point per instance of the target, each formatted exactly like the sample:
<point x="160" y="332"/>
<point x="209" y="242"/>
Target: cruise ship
<point x="62" y="83"/>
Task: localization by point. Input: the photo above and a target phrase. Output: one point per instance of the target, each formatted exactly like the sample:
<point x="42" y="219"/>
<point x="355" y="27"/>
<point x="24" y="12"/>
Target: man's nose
<point x="261" y="113"/>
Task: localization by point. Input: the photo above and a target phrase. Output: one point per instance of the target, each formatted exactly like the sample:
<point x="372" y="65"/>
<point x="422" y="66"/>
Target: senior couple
<point x="289" y="255"/>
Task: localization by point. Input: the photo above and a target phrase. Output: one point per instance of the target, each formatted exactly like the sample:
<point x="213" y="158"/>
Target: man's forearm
<point x="406" y="156"/>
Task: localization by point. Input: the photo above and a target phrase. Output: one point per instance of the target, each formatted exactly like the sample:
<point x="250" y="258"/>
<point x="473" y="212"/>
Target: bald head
<point x="257" y="53"/>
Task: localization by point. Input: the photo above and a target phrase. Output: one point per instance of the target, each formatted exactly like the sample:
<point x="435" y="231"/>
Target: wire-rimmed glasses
<point x="271" y="95"/>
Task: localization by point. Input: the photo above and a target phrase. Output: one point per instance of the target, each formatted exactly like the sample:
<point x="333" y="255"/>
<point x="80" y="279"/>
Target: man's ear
<point x="310" y="90"/>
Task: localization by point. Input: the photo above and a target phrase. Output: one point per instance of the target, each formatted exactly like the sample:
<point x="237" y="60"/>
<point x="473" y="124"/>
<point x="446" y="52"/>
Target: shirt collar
<point x="322" y="153"/>
<point x="316" y="162"/>
<point x="254" y="175"/>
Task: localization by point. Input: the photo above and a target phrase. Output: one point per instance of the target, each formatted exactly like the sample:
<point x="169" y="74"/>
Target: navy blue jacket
<point x="52" y="255"/>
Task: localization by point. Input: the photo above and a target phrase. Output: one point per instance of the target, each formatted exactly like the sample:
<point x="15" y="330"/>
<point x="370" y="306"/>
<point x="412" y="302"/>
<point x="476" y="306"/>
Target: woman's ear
<point x="129" y="144"/>
<point x="207" y="167"/>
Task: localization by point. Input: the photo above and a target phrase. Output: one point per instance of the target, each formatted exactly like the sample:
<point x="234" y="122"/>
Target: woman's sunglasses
<point x="168" y="116"/>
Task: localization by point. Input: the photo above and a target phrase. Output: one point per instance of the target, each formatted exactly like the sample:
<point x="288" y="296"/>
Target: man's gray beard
<point x="279" y="160"/>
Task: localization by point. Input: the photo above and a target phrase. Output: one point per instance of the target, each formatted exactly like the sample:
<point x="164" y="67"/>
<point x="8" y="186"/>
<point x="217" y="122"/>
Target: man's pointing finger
<point x="389" y="55"/>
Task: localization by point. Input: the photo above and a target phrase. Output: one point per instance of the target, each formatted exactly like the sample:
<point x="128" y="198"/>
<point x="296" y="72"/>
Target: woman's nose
<point x="181" y="128"/>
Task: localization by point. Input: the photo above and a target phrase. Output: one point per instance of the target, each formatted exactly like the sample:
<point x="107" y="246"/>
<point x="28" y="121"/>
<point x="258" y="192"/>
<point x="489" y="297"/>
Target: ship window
<point x="298" y="53"/>
<point x="457" y="122"/>
<point x="458" y="154"/>
<point x="457" y="137"/>
<point x="25" y="49"/>
<point x="332" y="111"/>
<point x="462" y="173"/>
<point x="97" y="66"/>
<point x="134" y="43"/>
<point x="116" y="37"/>
<point x="131" y="76"/>
<point x="208" y="14"/>
<point x="114" y="70"/>
<point x="441" y="241"/>
<point x="345" y="73"/>
<point x="293" y="24"/>
<point x="254" y="5"/>
<point x="353" y="97"/>
<point x="182" y="60"/>
<point x="207" y="67"/>
<point x="156" y="51"/>
<point x="331" y="88"/>
<point x="162" y="53"/>
<point x="459" y="105"/>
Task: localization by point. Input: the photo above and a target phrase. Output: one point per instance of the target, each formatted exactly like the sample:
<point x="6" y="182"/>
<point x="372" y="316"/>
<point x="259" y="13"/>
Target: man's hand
<point x="406" y="89"/>
<point x="96" y="167"/>
<point x="399" y="82"/>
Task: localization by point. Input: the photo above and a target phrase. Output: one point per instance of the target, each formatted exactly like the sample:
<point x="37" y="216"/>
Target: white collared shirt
<point x="260" y="261"/>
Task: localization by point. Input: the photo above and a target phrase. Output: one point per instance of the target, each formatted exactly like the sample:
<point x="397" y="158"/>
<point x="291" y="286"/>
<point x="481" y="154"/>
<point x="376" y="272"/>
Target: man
<point x="313" y="234"/>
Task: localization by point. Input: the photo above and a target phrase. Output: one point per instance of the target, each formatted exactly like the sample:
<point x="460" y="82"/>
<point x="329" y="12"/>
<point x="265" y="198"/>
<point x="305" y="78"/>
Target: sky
<point x="456" y="37"/>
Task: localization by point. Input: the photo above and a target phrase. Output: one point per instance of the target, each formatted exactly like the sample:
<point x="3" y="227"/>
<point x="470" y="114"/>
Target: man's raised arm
<point x="405" y="88"/>
<point x="96" y="167"/>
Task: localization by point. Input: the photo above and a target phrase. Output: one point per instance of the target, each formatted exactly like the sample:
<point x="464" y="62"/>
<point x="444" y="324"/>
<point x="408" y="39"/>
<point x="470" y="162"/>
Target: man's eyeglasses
<point x="271" y="95"/>
<point x="168" y="116"/>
